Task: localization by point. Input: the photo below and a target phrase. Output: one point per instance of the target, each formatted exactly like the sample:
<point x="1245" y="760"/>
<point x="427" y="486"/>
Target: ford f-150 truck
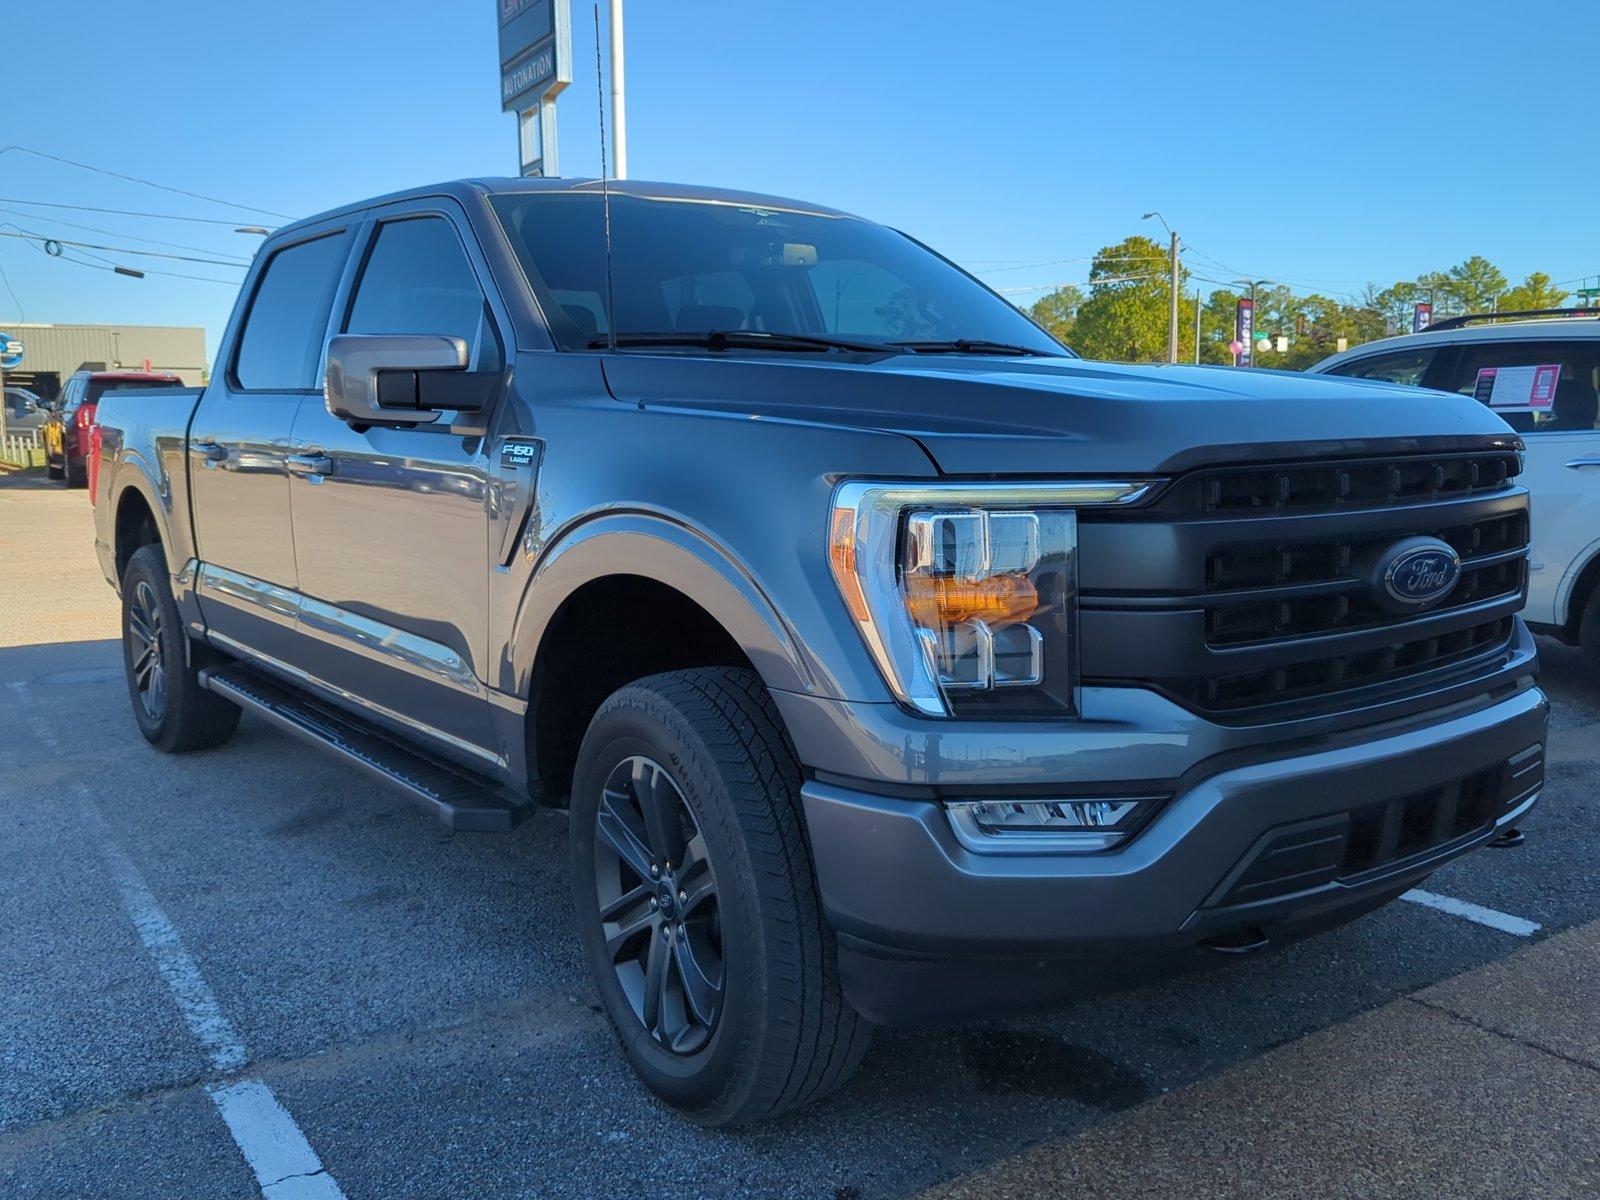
<point x="892" y="662"/>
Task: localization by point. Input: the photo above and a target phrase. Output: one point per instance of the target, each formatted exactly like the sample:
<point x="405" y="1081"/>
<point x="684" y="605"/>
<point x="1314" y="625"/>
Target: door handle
<point x="209" y="451"/>
<point x="309" y="464"/>
<point x="1578" y="463"/>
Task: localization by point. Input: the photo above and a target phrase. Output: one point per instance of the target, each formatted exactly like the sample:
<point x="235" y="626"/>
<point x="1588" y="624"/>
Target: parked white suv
<point x="1543" y="376"/>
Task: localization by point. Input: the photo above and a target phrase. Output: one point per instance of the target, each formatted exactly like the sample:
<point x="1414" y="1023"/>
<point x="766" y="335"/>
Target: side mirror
<point x="400" y="379"/>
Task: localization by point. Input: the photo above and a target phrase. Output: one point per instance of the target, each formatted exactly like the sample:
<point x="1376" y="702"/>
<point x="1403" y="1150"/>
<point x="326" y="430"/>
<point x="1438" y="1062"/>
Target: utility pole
<point x="1198" y="309"/>
<point x="1172" y="320"/>
<point x="619" y="104"/>
<point x="1172" y="328"/>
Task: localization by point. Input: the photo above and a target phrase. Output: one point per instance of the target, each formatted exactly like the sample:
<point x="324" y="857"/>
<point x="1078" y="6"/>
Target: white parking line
<point x="285" y="1165"/>
<point x="1504" y="922"/>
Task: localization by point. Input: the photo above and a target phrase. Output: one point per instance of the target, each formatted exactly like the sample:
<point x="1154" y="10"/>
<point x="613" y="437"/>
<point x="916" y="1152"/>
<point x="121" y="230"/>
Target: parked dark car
<point x="892" y="662"/>
<point x="68" y="428"/>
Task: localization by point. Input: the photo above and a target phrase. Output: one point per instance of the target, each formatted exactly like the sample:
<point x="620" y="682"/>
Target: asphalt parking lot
<point x="416" y="1003"/>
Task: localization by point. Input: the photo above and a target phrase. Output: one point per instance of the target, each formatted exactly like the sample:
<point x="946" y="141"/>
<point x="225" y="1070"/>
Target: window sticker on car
<point x="1518" y="389"/>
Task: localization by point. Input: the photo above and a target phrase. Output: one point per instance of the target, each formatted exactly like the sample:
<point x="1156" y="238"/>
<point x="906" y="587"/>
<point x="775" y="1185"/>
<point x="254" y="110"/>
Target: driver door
<point x="390" y="524"/>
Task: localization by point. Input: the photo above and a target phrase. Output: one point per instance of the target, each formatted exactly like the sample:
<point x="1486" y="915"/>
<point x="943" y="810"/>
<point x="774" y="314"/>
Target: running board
<point x="459" y="798"/>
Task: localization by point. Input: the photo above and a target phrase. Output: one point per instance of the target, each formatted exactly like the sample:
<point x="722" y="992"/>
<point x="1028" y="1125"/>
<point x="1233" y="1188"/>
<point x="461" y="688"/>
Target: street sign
<point x="1244" y="329"/>
<point x="535" y="66"/>
<point x="11" y="350"/>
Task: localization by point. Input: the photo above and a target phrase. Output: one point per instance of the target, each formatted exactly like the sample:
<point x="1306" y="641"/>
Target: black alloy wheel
<point x="149" y="676"/>
<point x="656" y="893"/>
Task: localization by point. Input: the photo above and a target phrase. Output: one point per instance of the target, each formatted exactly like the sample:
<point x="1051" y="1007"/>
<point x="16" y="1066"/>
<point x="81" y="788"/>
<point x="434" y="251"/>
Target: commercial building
<point x="41" y="357"/>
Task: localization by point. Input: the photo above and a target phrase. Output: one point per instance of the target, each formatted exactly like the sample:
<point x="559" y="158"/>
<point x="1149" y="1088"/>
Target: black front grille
<point x="1251" y="593"/>
<point x="1339" y="672"/>
<point x="1298" y="604"/>
<point x="1348" y="483"/>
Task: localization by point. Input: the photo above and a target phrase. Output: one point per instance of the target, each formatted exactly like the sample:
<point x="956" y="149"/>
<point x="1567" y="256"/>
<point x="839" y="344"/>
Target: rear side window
<point x="1538" y="387"/>
<point x="1403" y="366"/>
<point x="282" y="339"/>
<point x="418" y="281"/>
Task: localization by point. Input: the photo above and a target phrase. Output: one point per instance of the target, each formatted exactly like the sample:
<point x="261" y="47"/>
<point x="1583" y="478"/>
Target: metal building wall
<point x="66" y="348"/>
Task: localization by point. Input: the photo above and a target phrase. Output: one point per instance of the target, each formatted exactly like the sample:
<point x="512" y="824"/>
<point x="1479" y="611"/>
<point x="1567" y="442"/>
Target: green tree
<point x="1125" y="316"/>
<point x="1474" y="285"/>
<point x="1536" y="291"/>
<point x="1058" y="312"/>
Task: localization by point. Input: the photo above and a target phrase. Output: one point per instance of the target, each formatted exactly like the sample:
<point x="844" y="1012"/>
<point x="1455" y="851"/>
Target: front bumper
<point x="1245" y="854"/>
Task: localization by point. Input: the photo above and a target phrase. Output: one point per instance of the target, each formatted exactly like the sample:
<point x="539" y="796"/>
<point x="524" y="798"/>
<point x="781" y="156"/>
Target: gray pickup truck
<point x="893" y="663"/>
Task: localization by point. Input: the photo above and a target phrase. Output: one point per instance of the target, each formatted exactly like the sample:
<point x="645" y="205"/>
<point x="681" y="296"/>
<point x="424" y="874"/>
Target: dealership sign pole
<point x="535" y="65"/>
<point x="1244" y="331"/>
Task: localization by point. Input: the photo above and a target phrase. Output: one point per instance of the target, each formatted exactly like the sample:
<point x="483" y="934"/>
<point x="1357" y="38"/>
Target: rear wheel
<point x="697" y="904"/>
<point x="77" y="474"/>
<point x="52" y="470"/>
<point x="173" y="712"/>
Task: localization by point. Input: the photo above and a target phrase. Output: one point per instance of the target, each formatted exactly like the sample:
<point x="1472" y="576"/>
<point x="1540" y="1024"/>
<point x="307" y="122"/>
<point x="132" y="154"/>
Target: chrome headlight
<point x="966" y="593"/>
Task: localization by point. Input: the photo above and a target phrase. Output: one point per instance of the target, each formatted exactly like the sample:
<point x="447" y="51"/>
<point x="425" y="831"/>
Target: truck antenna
<point x="605" y="185"/>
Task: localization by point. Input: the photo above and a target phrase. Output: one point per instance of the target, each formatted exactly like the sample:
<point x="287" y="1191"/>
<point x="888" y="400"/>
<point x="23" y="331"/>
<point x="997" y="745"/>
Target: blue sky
<point x="1320" y="145"/>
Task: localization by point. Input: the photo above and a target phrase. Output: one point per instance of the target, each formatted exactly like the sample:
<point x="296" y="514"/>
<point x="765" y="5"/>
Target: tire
<point x="1589" y="629"/>
<point x="707" y="749"/>
<point x="53" y="471"/>
<point x="172" y="710"/>
<point x="77" y="475"/>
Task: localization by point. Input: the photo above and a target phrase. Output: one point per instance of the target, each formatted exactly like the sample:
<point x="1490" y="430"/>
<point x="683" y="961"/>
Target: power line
<point x="118" y="233"/>
<point x="21" y="315"/>
<point x="145" y="182"/>
<point x="119" y="212"/>
<point x="38" y="237"/>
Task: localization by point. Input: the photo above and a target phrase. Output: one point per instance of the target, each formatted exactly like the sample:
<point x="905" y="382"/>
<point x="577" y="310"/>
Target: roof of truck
<point x="462" y="189"/>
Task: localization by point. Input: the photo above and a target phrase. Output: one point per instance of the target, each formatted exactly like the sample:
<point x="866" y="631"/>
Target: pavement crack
<point x="1510" y="1037"/>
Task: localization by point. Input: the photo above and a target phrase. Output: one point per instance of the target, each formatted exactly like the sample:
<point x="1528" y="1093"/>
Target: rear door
<point x="390" y="524"/>
<point x="1549" y="391"/>
<point x="239" y="440"/>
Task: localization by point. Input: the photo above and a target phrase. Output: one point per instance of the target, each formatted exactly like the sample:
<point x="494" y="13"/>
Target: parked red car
<point x="68" y="429"/>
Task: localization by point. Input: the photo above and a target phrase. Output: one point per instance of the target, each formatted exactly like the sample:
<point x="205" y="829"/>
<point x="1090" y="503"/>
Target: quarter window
<point x="418" y="281"/>
<point x="281" y="343"/>
<point x="1404" y="366"/>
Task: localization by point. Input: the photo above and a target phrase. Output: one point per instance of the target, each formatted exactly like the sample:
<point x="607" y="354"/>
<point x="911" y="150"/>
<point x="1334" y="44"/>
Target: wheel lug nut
<point x="682" y="896"/>
<point x="655" y="870"/>
<point x="652" y="904"/>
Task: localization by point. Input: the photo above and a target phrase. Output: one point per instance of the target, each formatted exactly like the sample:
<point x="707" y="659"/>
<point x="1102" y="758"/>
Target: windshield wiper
<point x="973" y="346"/>
<point x="730" y="339"/>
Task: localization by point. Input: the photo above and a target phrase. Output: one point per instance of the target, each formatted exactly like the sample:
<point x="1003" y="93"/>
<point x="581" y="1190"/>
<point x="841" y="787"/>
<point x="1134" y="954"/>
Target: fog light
<point x="1066" y="825"/>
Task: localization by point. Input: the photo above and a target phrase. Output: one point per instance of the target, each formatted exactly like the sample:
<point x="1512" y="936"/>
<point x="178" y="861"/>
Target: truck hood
<point x="1045" y="416"/>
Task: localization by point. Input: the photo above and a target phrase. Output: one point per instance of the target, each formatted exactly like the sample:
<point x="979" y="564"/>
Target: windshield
<point x="694" y="268"/>
<point x="99" y="387"/>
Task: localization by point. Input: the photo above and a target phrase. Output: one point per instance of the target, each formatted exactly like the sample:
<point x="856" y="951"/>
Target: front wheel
<point x="697" y="904"/>
<point x="173" y="711"/>
<point x="1589" y="628"/>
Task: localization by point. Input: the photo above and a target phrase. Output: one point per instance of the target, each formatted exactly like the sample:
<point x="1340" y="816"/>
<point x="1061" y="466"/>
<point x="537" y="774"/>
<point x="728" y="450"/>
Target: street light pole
<point x="619" y="104"/>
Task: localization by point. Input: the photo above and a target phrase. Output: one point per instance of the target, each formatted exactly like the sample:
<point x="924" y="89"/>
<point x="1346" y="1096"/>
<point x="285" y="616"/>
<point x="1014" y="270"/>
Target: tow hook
<point x="1508" y="838"/>
<point x="1239" y="941"/>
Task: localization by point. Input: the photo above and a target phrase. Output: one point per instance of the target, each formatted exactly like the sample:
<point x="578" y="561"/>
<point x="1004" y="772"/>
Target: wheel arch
<point x="630" y="595"/>
<point x="1585" y="579"/>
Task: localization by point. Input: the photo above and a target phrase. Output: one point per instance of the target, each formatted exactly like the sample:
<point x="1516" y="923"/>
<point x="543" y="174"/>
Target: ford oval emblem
<point x="1415" y="573"/>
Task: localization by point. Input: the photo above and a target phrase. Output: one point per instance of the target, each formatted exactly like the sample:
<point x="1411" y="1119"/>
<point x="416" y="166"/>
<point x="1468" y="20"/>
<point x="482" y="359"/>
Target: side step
<point x="459" y="798"/>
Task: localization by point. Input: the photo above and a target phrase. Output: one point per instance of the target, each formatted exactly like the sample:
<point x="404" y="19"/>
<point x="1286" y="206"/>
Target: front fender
<point x="660" y="548"/>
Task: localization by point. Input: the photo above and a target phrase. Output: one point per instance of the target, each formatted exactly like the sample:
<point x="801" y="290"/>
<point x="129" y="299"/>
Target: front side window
<point x="1538" y="387"/>
<point x="281" y="343"/>
<point x="418" y="280"/>
<point x="694" y="267"/>
<point x="1403" y="366"/>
